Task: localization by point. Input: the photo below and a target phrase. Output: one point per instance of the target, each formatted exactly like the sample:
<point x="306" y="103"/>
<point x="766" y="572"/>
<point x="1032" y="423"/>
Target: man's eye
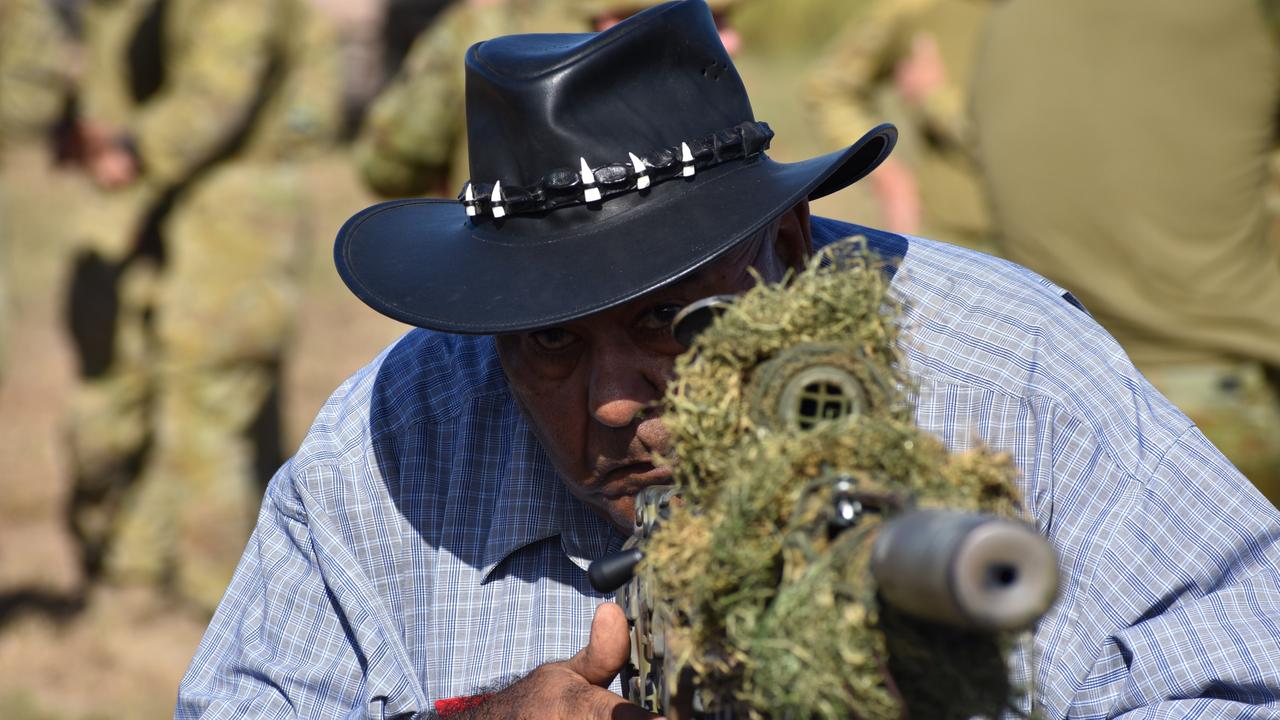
<point x="553" y="339"/>
<point x="660" y="317"/>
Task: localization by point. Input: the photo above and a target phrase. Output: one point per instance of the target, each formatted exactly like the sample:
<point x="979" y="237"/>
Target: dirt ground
<point x="121" y="652"/>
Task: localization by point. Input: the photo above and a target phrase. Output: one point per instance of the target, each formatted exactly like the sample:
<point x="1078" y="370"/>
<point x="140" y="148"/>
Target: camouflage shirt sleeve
<point x="33" y="61"/>
<point x="218" y="55"/>
<point x="409" y="135"/>
<point x="846" y="80"/>
<point x="945" y="113"/>
<point x="103" y="88"/>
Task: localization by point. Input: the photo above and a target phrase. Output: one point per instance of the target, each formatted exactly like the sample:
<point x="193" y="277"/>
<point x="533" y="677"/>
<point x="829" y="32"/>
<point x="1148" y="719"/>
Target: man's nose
<point x="618" y="413"/>
<point x="625" y="384"/>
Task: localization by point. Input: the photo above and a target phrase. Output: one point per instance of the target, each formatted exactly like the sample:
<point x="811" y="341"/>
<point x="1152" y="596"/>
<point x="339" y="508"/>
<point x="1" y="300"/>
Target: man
<point x="1122" y="165"/>
<point x="414" y="140"/>
<point x="194" y="115"/>
<point x="918" y="54"/>
<point x="425" y="550"/>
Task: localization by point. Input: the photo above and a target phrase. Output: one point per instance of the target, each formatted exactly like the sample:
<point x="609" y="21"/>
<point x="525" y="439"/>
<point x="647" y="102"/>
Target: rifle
<point x="815" y="535"/>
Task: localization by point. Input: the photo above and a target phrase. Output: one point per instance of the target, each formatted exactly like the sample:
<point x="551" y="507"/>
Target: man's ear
<point x="795" y="238"/>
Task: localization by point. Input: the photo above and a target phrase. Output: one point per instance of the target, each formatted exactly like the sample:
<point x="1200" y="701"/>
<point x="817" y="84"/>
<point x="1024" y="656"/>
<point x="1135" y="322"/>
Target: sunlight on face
<point x="590" y="387"/>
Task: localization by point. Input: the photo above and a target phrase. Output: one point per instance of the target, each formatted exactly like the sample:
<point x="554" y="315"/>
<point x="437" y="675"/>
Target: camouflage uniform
<point x="1124" y="165"/>
<point x="413" y="141"/>
<point x="851" y="91"/>
<point x="34" y="61"/>
<point x="182" y="309"/>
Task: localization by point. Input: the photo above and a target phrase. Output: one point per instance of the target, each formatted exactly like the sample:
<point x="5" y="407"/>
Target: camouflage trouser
<point x="167" y="475"/>
<point x="1237" y="406"/>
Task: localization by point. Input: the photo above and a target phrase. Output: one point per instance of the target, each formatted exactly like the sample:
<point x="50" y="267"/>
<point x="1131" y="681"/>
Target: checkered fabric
<point x="420" y="546"/>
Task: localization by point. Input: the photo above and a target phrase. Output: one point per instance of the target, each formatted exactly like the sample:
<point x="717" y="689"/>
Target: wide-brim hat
<point x="603" y="166"/>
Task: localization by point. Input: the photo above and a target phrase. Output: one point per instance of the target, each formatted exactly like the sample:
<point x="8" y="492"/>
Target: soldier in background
<point x="194" y="114"/>
<point x="36" y="66"/>
<point x="1126" y="147"/>
<point x="36" y="62"/>
<point x="917" y="55"/>
<point x="402" y="22"/>
<point x="413" y="140"/>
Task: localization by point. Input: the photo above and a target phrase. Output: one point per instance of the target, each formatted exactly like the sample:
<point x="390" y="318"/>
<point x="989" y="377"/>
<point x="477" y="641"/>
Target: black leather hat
<point x="603" y="165"/>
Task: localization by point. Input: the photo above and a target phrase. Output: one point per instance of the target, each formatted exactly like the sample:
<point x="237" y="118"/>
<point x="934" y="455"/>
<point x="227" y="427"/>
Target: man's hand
<point x="113" y="168"/>
<point x="109" y="162"/>
<point x="920" y="73"/>
<point x="575" y="689"/>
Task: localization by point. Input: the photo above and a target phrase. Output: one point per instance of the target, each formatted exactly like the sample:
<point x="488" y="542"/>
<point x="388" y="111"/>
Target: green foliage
<point x="775" y="615"/>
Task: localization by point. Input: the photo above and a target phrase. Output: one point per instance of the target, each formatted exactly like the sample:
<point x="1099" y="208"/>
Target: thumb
<point x="608" y="649"/>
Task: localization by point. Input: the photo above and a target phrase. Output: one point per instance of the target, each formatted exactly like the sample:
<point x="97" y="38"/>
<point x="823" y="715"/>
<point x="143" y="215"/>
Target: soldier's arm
<point x="409" y="135"/>
<point x="103" y="94"/>
<point x="941" y="104"/>
<point x="843" y="92"/>
<point x="219" y="55"/>
<point x="34" y="66"/>
<point x="844" y="85"/>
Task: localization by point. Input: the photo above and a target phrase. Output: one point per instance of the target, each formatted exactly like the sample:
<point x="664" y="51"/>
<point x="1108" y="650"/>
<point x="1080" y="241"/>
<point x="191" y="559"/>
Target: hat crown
<point x="536" y="103"/>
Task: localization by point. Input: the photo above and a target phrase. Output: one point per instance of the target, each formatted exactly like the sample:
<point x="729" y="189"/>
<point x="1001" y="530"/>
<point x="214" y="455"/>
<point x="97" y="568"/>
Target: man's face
<point x="590" y="388"/>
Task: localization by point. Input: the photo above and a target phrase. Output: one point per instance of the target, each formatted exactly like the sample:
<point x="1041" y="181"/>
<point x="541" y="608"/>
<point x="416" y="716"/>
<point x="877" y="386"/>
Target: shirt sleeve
<point x="218" y="62"/>
<point x="300" y="631"/>
<point x="944" y="112"/>
<point x="1174" y="601"/>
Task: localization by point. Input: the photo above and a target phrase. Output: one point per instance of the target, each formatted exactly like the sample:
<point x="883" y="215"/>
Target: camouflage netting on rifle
<point x="775" y="615"/>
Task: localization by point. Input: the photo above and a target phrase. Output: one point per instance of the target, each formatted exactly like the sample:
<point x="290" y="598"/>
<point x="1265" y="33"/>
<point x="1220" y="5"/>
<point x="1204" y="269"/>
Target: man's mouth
<point x="629" y="479"/>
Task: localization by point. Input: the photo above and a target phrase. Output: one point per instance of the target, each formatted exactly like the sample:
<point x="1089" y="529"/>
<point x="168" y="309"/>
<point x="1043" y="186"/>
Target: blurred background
<point x="173" y="172"/>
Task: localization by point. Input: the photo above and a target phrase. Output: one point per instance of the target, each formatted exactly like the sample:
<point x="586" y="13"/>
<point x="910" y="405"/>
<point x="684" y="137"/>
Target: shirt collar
<point x="890" y="247"/>
<point x="532" y="503"/>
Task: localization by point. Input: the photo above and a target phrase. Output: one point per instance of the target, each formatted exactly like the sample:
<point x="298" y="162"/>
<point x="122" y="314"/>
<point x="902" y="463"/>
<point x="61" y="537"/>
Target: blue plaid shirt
<point x="420" y="545"/>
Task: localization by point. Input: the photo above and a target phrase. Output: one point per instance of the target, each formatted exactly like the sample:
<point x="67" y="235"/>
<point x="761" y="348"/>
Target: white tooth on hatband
<point x="686" y="157"/>
<point x="589" y="191"/>
<point x="642" y="179"/>
<point x="469" y="200"/>
<point x="496" y="200"/>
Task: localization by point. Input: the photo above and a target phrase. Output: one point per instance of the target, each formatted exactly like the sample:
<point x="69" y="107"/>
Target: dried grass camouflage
<point x="775" y="615"/>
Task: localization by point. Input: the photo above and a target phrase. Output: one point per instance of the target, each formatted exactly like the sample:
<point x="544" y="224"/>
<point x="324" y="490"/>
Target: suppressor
<point x="968" y="570"/>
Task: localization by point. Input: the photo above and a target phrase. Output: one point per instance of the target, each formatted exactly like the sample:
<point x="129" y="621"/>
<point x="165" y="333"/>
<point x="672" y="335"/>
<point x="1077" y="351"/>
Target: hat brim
<point x="424" y="263"/>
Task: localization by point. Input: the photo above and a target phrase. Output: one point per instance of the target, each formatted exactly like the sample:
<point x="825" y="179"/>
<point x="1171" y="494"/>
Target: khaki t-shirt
<point x="1125" y="145"/>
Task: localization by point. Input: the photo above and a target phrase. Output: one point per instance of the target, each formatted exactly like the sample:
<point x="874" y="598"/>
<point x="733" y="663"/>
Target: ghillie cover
<point x="793" y="446"/>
